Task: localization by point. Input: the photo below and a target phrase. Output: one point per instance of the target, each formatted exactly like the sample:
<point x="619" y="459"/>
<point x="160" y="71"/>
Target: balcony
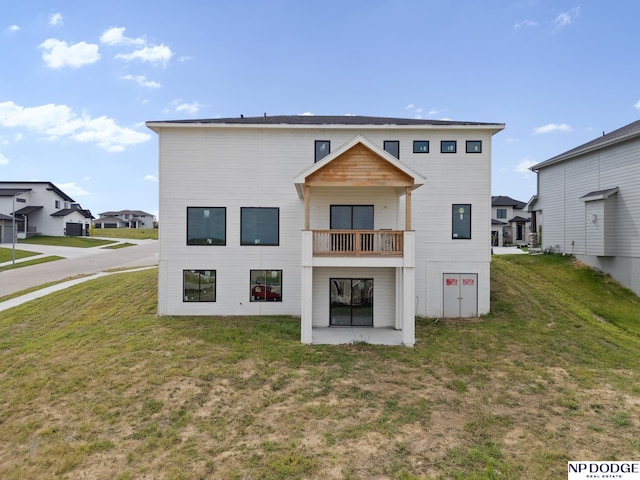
<point x="375" y="243"/>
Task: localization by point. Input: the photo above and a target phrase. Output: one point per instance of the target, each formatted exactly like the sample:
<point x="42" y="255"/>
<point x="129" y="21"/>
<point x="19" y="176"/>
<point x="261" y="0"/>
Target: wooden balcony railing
<point x="385" y="243"/>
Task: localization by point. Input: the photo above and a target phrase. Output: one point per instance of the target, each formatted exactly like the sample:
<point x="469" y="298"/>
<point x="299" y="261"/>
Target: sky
<point x="78" y="80"/>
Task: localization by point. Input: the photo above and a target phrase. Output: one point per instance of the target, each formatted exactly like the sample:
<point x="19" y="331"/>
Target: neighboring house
<point x="125" y="219"/>
<point x="510" y="223"/>
<point x="345" y="221"/>
<point x="6" y="227"/>
<point x="588" y="204"/>
<point x="41" y="208"/>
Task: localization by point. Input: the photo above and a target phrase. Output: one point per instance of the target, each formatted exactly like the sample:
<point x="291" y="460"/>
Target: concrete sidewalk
<point x="508" y="251"/>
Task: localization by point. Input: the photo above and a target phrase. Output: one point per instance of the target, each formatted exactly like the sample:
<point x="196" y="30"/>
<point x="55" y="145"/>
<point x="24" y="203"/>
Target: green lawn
<point x="27" y="263"/>
<point x="6" y="254"/>
<point x="100" y="387"/>
<point x="130" y="233"/>
<point x="79" y="242"/>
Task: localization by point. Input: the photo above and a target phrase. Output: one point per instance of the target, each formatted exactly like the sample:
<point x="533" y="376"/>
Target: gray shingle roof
<point x="504" y="201"/>
<point x="621" y="134"/>
<point x="324" y="120"/>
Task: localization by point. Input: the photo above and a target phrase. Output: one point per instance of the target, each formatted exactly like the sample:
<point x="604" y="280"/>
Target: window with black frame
<point x="206" y="226"/>
<point x="266" y="285"/>
<point x="199" y="285"/>
<point x="461" y="221"/>
<point x="322" y="149"/>
<point x="259" y="226"/>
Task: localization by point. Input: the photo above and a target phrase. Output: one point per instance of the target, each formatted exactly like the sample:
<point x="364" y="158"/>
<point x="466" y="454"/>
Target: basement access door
<point x="460" y="295"/>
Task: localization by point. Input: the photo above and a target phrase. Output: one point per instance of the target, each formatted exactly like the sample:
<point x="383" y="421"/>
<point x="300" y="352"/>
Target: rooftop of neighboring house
<point x="504" y="201"/>
<point x="5" y="190"/>
<point x="622" y="134"/>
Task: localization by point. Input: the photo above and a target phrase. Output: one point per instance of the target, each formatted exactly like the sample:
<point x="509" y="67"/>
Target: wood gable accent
<point x="359" y="167"/>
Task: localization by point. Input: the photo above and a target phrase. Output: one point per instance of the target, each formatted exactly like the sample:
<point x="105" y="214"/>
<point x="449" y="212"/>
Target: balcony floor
<point x="342" y="335"/>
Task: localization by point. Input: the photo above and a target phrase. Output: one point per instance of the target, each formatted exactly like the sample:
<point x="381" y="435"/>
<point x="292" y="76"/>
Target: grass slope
<point x="101" y="388"/>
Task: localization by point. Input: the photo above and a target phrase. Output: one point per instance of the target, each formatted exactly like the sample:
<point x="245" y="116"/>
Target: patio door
<point x="351" y="302"/>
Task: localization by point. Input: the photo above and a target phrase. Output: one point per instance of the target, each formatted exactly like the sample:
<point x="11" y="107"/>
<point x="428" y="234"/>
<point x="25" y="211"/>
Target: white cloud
<point x="3" y="160"/>
<point x="55" y="19"/>
<point x="566" y="18"/>
<point x="14" y="28"/>
<point x="151" y="178"/>
<point x="552" y="127"/>
<point x="307" y="114"/>
<point x="142" y="81"/>
<point x="411" y="106"/>
<point x="188" y="107"/>
<point x="18" y="136"/>
<point x="637" y="105"/>
<point x="115" y="36"/>
<point x="432" y="112"/>
<point x="159" y="54"/>
<point x="54" y="122"/>
<point x="58" y="54"/>
<point x="523" y="166"/>
<point x="72" y="189"/>
<point x="525" y="24"/>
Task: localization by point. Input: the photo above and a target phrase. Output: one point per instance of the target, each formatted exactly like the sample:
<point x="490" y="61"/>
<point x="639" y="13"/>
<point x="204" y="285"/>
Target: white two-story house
<point x="40" y="208"/>
<point x="125" y="219"/>
<point x="354" y="224"/>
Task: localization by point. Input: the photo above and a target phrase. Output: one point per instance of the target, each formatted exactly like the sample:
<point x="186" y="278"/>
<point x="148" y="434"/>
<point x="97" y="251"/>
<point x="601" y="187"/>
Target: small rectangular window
<point x="266" y="286"/>
<point x="474" y="146"/>
<point x="461" y="222"/>
<point x="393" y="147"/>
<point x="57" y="204"/>
<point x="206" y="226"/>
<point x="259" y="226"/>
<point x="501" y="213"/>
<point x="199" y="285"/>
<point x="323" y="148"/>
<point x="421" y="146"/>
<point x="448" y="146"/>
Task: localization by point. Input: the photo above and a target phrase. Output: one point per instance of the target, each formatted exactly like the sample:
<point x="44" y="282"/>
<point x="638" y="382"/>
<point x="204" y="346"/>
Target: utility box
<point x="460" y="295"/>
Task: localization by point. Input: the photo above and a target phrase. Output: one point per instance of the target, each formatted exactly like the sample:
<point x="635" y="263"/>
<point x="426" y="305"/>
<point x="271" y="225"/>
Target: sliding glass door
<point x="351" y="302"/>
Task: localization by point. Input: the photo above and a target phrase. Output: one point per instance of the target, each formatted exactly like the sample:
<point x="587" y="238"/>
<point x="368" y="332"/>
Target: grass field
<point x="94" y="385"/>
<point x="131" y="233"/>
<point x="6" y="254"/>
<point x="78" y="242"/>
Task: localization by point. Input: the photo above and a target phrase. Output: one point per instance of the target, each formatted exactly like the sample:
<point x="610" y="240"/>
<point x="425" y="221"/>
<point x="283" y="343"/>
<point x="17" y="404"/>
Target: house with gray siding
<point x="588" y="204"/>
<point x="354" y="224"/>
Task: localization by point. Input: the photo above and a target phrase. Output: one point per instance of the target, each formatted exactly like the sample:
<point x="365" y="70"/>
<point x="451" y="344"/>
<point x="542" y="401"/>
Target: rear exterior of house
<point x="348" y="222"/>
<point x="588" y="204"/>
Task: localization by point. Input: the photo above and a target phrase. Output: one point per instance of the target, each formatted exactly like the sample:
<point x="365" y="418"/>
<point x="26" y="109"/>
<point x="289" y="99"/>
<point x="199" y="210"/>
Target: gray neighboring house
<point x="510" y="223"/>
<point x="41" y="208"/>
<point x="588" y="204"/>
<point x="125" y="219"/>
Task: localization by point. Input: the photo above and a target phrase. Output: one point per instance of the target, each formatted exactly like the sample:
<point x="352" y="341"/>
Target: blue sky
<point x="79" y="79"/>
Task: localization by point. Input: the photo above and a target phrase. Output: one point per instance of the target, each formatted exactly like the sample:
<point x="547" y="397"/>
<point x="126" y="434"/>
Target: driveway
<point x="77" y="261"/>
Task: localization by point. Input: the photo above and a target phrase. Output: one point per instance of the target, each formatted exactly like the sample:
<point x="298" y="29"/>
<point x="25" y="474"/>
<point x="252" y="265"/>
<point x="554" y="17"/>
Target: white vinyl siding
<point x="253" y="167"/>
